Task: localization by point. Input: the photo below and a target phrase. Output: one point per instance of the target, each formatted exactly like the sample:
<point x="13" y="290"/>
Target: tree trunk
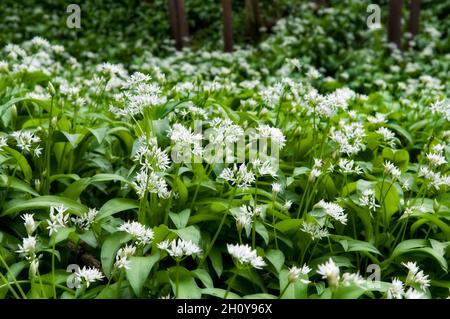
<point x="414" y="17"/>
<point x="227" y="26"/>
<point x="395" y="22"/>
<point x="253" y="18"/>
<point x="173" y="16"/>
<point x="178" y="23"/>
<point x="183" y="23"/>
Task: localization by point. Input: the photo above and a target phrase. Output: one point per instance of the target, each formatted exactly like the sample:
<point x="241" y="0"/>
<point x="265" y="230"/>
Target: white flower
<point x="436" y="159"/>
<point x="86" y="219"/>
<point x="330" y="271"/>
<point x="241" y="177"/>
<point x="122" y="256"/>
<point x="25" y="140"/>
<point x="57" y="220"/>
<point x="349" y="138"/>
<point x="3" y="142"/>
<point x="276" y="188"/>
<point x="244" y="217"/>
<point x="264" y="168"/>
<point x="185" y="141"/>
<point x="245" y="255"/>
<point x="377" y="119"/>
<point x="368" y="199"/>
<point x="287" y="205"/>
<point x="34" y="267"/>
<point x="412" y="293"/>
<point x="334" y="211"/>
<point x="295" y="272"/>
<point x="391" y="169"/>
<point x="28" y="247"/>
<point x="275" y="134"/>
<point x="141" y="234"/>
<point x="416" y="276"/>
<point x="395" y="290"/>
<point x="29" y="223"/>
<point x="349" y="279"/>
<point x="151" y="156"/>
<point x="348" y="167"/>
<point x="149" y="181"/>
<point x="223" y="131"/>
<point x="314" y="230"/>
<point x="180" y="248"/>
<point x="89" y="275"/>
<point x="388" y="136"/>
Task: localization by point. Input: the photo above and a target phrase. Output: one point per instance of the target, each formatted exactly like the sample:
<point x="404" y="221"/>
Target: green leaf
<point x="110" y="247"/>
<point x="219" y="293"/>
<point x="187" y="287"/>
<point x="262" y="231"/>
<point x="408" y="246"/>
<point x="139" y="271"/>
<point x="62" y="234"/>
<point x="180" y="219"/>
<point x="204" y="277"/>
<point x="386" y="194"/>
<point x="21" y="161"/>
<point x="116" y="205"/>
<point x="216" y="260"/>
<point x="19" y="205"/>
<point x="189" y="233"/>
<point x="16" y="184"/>
<point x="276" y="258"/>
<point x="296" y="290"/>
<point x="75" y="189"/>
<point x="288" y="225"/>
<point x="350" y="244"/>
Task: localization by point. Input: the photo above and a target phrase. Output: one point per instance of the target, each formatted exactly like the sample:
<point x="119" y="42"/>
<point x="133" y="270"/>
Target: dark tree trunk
<point x="173" y="16"/>
<point x="395" y="22"/>
<point x="178" y="23"/>
<point x="227" y="26"/>
<point x="253" y="18"/>
<point x="183" y="23"/>
<point x="414" y="17"/>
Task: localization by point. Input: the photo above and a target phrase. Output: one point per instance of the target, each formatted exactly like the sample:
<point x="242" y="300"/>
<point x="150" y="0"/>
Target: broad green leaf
<point x="387" y="195"/>
<point x="204" y="277"/>
<point x="22" y="162"/>
<point x="16" y="184"/>
<point x="219" y="293"/>
<point x="116" y="205"/>
<point x="276" y="258"/>
<point x="19" y="205"/>
<point x="187" y="287"/>
<point x="180" y="219"/>
<point x="110" y="247"/>
<point x="189" y="233"/>
<point x="296" y="290"/>
<point x="139" y="270"/>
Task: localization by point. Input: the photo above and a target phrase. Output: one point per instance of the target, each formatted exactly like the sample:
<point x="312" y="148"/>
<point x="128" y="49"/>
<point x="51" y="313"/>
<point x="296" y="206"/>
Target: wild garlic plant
<point x="276" y="171"/>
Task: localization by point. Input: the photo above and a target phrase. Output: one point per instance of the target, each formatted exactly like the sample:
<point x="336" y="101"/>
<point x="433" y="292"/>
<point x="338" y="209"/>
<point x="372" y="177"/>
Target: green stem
<point x="222" y="222"/>
<point x="229" y="284"/>
<point x="8" y="270"/>
<point x="284" y="290"/>
<point x="177" y="280"/>
<point x="53" y="268"/>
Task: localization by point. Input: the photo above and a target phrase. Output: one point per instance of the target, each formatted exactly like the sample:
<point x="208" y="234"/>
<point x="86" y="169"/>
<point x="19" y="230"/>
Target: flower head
<point x="330" y="271"/>
<point x="180" y="248"/>
<point x="141" y="234"/>
<point x="89" y="275"/>
<point x="245" y="256"/>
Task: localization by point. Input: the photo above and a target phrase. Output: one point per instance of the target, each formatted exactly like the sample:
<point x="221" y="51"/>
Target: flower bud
<point x="51" y="89"/>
